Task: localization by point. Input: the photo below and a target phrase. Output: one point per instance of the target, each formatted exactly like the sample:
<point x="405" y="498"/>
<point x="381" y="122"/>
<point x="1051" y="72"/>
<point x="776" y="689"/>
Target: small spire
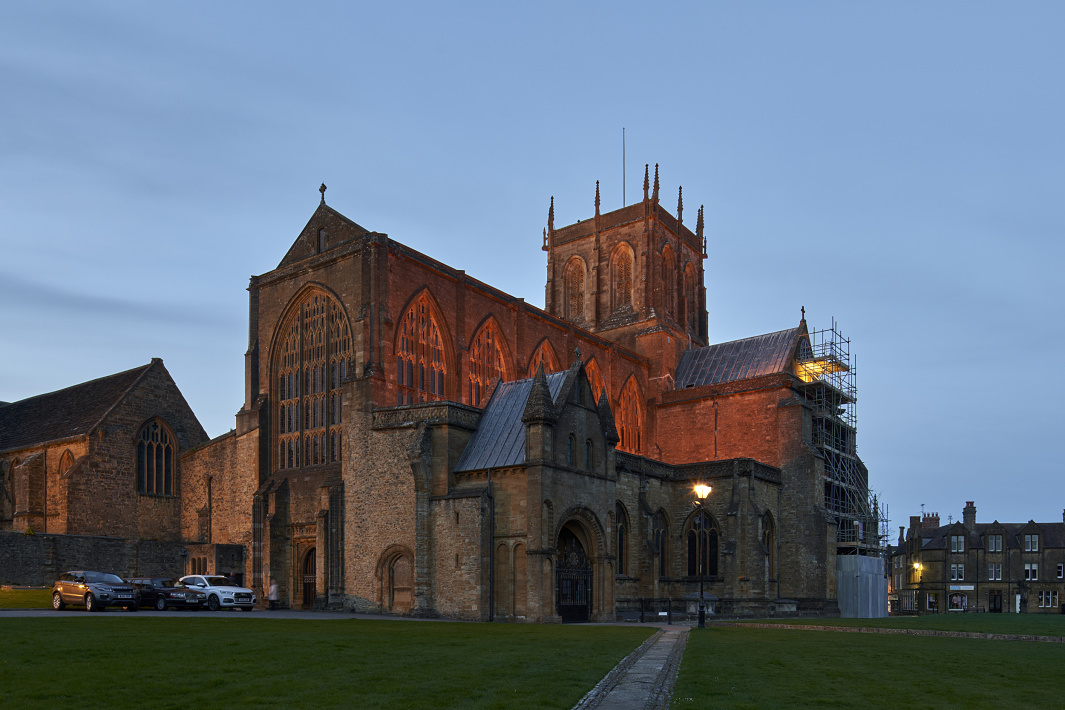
<point x="680" y="203"/>
<point x="646" y="180"/>
<point x="539" y="409"/>
<point x="654" y="195"/>
<point x="544" y="247"/>
<point x="322" y="190"/>
<point x="551" y="216"/>
<point x="596" y="198"/>
<point x="699" y="223"/>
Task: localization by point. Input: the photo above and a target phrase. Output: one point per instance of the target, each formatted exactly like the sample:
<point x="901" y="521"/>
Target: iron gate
<point x="574" y="594"/>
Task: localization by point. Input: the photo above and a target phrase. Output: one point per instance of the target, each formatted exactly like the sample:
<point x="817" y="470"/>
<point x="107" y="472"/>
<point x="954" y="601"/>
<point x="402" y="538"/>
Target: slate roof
<point x="738" y="360"/>
<point x="500" y="436"/>
<point x="73" y="411"/>
<point x="1052" y="535"/>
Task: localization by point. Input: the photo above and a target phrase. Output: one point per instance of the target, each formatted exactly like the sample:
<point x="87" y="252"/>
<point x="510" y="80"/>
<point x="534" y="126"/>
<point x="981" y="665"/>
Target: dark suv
<point x="164" y="593"/>
<point x="96" y="590"/>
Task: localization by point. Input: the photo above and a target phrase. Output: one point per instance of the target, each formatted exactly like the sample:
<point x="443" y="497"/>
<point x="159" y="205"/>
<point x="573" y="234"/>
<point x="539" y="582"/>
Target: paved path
<point x="644" y="679"/>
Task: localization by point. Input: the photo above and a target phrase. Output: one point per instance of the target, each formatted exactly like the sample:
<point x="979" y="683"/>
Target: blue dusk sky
<point x="897" y="167"/>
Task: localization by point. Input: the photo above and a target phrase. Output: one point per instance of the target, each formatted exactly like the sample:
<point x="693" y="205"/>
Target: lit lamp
<point x="701" y="492"/>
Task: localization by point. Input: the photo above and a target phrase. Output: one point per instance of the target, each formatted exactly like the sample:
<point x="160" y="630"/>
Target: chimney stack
<point x="968" y="515"/>
<point x="930" y="521"/>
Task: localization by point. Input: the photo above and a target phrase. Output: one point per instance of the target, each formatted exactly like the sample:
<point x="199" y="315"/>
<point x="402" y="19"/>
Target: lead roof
<point x="760" y="355"/>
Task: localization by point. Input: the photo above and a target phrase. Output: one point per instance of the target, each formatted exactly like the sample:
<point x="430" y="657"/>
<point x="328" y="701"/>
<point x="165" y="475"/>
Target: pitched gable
<point x="337" y="229"/>
<point x="74" y="411"/>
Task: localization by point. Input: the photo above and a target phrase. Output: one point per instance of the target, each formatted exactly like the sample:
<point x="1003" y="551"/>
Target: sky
<point x="895" y="168"/>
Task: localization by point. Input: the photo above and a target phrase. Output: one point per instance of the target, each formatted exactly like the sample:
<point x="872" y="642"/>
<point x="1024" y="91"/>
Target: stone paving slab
<point x="644" y="679"/>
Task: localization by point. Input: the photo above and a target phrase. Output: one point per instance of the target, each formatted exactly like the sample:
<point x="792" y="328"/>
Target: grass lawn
<point x="1031" y="624"/>
<point x="753" y="668"/>
<point x="103" y="661"/>
<point x="26" y="598"/>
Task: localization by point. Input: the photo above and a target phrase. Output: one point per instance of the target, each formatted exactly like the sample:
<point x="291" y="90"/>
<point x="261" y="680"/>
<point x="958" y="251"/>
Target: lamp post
<point x="701" y="492"/>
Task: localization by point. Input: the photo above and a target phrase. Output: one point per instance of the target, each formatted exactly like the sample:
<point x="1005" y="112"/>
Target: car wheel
<point x="160" y="604"/>
<point x="213" y="604"/>
<point x="57" y="602"/>
<point x="91" y="604"/>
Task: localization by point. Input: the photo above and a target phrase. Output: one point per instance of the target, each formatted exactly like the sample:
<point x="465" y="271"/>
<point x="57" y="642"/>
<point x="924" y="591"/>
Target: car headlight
<point x="105" y="589"/>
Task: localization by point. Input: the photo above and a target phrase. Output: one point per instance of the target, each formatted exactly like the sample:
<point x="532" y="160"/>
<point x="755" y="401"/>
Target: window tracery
<point x="621" y="268"/>
<point x="691" y="298"/>
<point x="574" y="289"/>
<point x="420" y="365"/>
<point x="155" y="460"/>
<point x="595" y="379"/>
<point x="486" y="362"/>
<point x="702" y="543"/>
<point x="544" y="354"/>
<point x="669" y="266"/>
<point x="311" y="368"/>
<point x="629" y="419"/>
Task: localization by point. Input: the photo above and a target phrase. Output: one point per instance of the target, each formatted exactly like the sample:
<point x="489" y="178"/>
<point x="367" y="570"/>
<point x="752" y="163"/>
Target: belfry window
<point x="420" y="366"/>
<point x="574" y="294"/>
<point x="621" y="267"/>
<point x="155" y="461"/>
<point x="311" y="367"/>
<point x="486" y="363"/>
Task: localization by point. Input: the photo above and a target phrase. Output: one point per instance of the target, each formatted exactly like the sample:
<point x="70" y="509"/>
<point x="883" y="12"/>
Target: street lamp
<point x="701" y="492"/>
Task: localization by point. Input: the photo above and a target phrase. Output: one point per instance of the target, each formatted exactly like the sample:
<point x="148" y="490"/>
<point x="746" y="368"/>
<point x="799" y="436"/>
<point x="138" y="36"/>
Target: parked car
<point x="164" y="593"/>
<point x="222" y="592"/>
<point x="95" y="590"/>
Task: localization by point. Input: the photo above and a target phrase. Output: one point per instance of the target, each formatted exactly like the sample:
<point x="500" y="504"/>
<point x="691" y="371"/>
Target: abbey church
<point x="415" y="441"/>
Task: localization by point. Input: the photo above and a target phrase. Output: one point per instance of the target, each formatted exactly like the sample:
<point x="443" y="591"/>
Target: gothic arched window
<point x="691" y="297"/>
<point x="660" y="540"/>
<point x="155" y="460"/>
<point x="770" y="543"/>
<point x="544" y="354"/>
<point x="420" y="365"/>
<point x="574" y="293"/>
<point x="669" y="281"/>
<point x="629" y="419"/>
<point x="702" y="543"/>
<point x="621" y="277"/>
<point x="595" y="379"/>
<point x="311" y="366"/>
<point x="486" y="362"/>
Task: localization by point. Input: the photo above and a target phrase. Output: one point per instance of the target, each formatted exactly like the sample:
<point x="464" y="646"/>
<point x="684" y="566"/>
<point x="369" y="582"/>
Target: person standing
<point x="273" y="595"/>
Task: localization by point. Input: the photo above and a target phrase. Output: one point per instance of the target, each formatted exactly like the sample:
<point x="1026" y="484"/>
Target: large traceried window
<point x="312" y="365"/>
<point x="420" y="362"/>
<point x="595" y="379"/>
<point x="486" y="362"/>
<point x="155" y="460"/>
<point x="544" y="354"/>
<point x="574" y="293"/>
<point x="702" y="545"/>
<point x="629" y="419"/>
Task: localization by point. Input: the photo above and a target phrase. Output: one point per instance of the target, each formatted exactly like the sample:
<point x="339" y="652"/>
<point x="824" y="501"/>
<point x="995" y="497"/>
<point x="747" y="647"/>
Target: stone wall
<point x="37" y="560"/>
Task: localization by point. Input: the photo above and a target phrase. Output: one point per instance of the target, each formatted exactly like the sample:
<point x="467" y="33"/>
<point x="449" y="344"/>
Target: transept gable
<point x="325" y="230"/>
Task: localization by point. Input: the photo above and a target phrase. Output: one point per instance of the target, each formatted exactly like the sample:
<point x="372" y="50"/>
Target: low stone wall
<point x="36" y="560"/>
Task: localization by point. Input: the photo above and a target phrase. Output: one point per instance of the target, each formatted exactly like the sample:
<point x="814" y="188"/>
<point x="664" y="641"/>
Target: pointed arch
<point x="630" y="417"/>
<point x="545" y="354"/>
<point x="595" y="378"/>
<point x="669" y="279"/>
<point x="691" y="297"/>
<point x="621" y="540"/>
<point x="311" y="355"/>
<point x="422" y="362"/>
<point x="621" y="268"/>
<point x="65" y="461"/>
<point x="575" y="280"/>
<point x="701" y="535"/>
<point x="488" y="360"/>
<point x="660" y="544"/>
<point x="157" y="454"/>
<point x="769" y="542"/>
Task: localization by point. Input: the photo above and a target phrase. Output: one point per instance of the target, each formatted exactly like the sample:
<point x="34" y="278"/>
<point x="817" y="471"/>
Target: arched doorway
<point x="310" y="576"/>
<point x="401" y="585"/>
<point x="573" y="578"/>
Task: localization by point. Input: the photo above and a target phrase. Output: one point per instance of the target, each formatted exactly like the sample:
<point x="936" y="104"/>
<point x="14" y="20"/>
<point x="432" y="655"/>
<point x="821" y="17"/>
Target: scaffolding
<point x="826" y="372"/>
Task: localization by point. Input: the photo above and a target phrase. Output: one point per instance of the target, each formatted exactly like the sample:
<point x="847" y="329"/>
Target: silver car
<point x="95" y="590"/>
<point x="222" y="592"/>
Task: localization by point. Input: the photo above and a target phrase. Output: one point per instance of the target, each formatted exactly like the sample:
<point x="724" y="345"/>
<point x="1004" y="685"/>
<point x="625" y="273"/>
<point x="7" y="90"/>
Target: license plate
<point x="124" y="596"/>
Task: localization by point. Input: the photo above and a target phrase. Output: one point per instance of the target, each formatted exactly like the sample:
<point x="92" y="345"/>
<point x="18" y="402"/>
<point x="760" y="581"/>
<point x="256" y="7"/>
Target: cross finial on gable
<point x="803" y="310"/>
<point x="322" y="190"/>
